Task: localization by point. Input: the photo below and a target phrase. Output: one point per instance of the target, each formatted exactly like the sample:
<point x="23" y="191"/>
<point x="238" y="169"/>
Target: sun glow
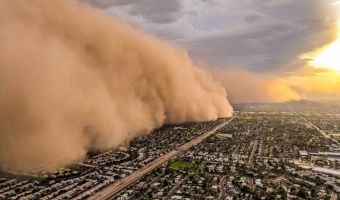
<point x="328" y="57"/>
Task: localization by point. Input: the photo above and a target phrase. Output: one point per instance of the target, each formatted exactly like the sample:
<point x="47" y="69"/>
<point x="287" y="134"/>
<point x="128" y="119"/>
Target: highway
<point x="310" y="123"/>
<point x="116" y="187"/>
<point x="315" y="127"/>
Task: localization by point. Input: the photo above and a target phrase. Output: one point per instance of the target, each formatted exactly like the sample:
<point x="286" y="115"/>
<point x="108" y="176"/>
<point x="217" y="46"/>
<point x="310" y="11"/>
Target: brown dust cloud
<point x="73" y="79"/>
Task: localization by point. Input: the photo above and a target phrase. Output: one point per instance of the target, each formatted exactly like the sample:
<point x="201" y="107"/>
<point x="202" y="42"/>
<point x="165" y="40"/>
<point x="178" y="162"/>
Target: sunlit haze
<point x="328" y="57"/>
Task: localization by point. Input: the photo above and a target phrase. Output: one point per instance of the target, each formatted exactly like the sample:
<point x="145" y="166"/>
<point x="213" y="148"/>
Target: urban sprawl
<point x="265" y="151"/>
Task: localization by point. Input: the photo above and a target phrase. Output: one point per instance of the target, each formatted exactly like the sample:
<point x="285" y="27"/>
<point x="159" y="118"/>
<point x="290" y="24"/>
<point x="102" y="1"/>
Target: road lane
<point x="252" y="154"/>
<point x="315" y="127"/>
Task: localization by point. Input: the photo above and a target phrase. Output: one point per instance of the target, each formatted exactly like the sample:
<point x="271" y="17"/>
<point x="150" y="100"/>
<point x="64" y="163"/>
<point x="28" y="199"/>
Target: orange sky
<point x="321" y="78"/>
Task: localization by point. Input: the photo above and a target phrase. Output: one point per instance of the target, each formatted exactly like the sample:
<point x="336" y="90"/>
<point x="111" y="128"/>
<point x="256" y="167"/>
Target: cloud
<point x="154" y="11"/>
<point x="256" y="35"/>
<point x="254" y="17"/>
<point x="252" y="49"/>
<point x="277" y="3"/>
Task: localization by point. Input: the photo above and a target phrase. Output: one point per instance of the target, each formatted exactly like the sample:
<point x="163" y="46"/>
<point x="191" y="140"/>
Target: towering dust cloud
<point x="72" y="79"/>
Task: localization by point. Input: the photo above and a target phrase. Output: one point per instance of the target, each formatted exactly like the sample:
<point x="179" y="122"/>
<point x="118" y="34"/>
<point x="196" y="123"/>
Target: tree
<point x="329" y="187"/>
<point x="282" y="192"/>
<point x="302" y="193"/>
<point x="314" y="193"/>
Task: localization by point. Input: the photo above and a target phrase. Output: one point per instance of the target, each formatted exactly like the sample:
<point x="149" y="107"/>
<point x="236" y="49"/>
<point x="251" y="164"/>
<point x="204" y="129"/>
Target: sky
<point x="279" y="38"/>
